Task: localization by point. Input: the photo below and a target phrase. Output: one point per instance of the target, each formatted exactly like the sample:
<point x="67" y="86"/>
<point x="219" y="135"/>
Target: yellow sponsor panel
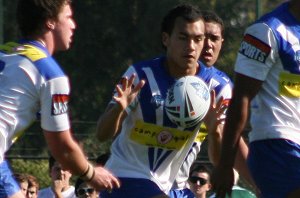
<point x="31" y="52"/>
<point x="289" y="85"/>
<point x="162" y="137"/>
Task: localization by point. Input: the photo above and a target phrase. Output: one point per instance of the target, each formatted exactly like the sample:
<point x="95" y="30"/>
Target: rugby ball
<point x="187" y="101"/>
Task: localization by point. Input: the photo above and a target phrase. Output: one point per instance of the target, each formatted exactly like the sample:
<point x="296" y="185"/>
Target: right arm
<point x="110" y="123"/>
<point x="68" y="153"/>
<point x="244" y="91"/>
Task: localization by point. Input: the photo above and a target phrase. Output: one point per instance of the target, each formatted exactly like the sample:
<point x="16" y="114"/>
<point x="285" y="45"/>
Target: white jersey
<point x="270" y="52"/>
<point x="32" y="84"/>
<point x="48" y="193"/>
<point x="222" y="85"/>
<point x="150" y="146"/>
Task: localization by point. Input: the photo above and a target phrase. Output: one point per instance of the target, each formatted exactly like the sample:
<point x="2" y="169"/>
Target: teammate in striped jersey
<point x="267" y="81"/>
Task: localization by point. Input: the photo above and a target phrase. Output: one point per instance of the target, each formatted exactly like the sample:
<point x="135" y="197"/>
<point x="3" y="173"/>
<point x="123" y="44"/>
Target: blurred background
<point x="110" y="36"/>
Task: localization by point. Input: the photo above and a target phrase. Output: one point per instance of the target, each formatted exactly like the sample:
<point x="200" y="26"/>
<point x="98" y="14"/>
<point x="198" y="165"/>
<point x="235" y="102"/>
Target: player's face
<point x="197" y="188"/>
<point x="64" y="29"/>
<point x="86" y="191"/>
<point x="184" y="46"/>
<point x="57" y="173"/>
<point x="24" y="187"/>
<point x="212" y="43"/>
<point x="32" y="192"/>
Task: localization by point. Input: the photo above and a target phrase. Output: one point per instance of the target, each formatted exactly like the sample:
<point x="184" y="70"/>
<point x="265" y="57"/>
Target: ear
<point x="209" y="187"/>
<point x="165" y="39"/>
<point x="50" y="24"/>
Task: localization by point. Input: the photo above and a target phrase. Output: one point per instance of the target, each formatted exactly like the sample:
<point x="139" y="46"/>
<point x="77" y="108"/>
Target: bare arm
<point x="244" y="91"/>
<point x="109" y="124"/>
<point x="215" y="135"/>
<point x="68" y="153"/>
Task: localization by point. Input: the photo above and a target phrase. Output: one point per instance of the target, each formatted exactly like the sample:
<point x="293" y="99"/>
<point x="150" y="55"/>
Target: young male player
<point x="33" y="83"/>
<point x="146" y="164"/>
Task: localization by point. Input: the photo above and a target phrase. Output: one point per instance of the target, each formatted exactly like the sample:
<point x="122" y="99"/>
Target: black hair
<point x="212" y="17"/>
<point x="188" y="12"/>
<point x="32" y="15"/>
<point x="77" y="184"/>
<point x="197" y="167"/>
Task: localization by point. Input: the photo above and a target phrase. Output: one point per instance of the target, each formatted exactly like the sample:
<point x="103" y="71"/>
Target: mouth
<point x="206" y="55"/>
<point x="188" y="57"/>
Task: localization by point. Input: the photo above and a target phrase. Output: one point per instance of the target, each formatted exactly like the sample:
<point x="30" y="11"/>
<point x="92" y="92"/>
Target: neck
<point x="47" y="41"/>
<point x="177" y="72"/>
<point x="42" y="42"/>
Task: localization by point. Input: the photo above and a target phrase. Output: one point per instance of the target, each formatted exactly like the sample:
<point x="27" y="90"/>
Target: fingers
<point x="212" y="98"/>
<point x="115" y="182"/>
<point x="139" y="86"/>
<point x="103" y="179"/>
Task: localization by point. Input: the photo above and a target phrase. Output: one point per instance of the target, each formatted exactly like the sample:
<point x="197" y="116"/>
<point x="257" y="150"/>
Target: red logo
<point x="164" y="137"/>
<point x="59" y="104"/>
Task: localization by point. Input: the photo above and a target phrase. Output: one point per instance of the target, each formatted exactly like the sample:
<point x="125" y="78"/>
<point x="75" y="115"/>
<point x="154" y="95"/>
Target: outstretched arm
<point x="109" y="124"/>
<point x="215" y="124"/>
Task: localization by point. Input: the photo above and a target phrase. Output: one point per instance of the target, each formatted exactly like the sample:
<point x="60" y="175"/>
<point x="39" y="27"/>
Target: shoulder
<point x="41" y="59"/>
<point x="216" y="75"/>
<point x="148" y="63"/>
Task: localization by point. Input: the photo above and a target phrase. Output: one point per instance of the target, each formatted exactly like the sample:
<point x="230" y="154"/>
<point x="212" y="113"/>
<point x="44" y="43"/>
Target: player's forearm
<point x="214" y="144"/>
<point x="66" y="151"/>
<point x="109" y="123"/>
<point x="241" y="163"/>
<point x="234" y="126"/>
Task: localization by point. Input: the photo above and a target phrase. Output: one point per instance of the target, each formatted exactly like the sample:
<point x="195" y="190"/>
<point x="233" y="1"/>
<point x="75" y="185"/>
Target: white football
<point x="187" y="101"/>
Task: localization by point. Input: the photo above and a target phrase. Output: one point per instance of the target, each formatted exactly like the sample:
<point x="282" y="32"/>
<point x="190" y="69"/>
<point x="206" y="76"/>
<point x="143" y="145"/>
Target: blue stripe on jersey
<point x="47" y="67"/>
<point x="149" y="103"/>
<point x="146" y="98"/>
<point x="281" y="16"/>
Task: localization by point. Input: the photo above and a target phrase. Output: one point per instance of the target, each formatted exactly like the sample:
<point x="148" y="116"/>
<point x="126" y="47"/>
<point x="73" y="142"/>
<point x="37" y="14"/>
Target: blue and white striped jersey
<point x="32" y="84"/>
<point x="270" y="52"/>
<point x="150" y="146"/>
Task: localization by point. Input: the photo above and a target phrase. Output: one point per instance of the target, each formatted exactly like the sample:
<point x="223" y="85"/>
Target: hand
<point x="57" y="186"/>
<point x="215" y="114"/>
<point x="222" y="180"/>
<point x="127" y="92"/>
<point x="103" y="179"/>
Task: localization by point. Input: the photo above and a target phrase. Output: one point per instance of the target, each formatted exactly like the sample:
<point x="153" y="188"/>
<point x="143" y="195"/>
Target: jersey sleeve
<point x="54" y="104"/>
<point x="257" y="53"/>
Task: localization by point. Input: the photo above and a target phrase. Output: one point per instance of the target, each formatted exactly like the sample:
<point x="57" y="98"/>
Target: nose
<point x="208" y="42"/>
<point x="191" y="44"/>
<point x="73" y="24"/>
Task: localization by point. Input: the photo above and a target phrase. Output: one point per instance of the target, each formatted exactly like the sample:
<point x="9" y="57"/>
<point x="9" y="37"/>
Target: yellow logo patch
<point x="289" y="85"/>
<point x="162" y="137"/>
